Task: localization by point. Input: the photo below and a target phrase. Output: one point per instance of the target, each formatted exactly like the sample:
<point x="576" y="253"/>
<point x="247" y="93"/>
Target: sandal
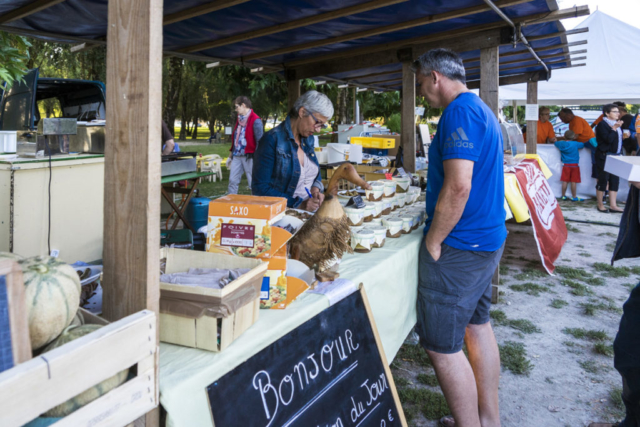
<point x="605" y="210"/>
<point x="447" y="421"/>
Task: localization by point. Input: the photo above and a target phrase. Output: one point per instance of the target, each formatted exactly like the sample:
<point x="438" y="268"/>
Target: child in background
<point x="570" y="157"/>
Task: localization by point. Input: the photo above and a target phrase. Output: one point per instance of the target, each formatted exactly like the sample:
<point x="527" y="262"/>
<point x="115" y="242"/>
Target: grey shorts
<point x="453" y="292"/>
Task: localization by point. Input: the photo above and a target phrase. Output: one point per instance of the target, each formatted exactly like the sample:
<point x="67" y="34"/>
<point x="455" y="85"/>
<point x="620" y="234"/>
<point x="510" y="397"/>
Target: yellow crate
<point x="373" y="142"/>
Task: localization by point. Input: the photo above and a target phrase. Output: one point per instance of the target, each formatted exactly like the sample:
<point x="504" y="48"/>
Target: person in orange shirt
<point x="577" y="124"/>
<point x="546" y="134"/>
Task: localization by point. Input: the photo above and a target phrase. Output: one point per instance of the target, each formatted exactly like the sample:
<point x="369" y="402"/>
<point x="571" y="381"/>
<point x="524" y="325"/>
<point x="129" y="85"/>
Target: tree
<point x="14" y="54"/>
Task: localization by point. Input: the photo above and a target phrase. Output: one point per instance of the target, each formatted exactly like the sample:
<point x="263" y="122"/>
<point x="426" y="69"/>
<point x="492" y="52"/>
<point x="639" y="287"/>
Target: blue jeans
<point x="626" y="349"/>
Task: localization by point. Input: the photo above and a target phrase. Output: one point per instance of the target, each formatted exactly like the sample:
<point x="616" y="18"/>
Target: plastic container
<point x="378" y="206"/>
<point x="407" y="223"/>
<point x="373" y="142"/>
<point x="376" y="192"/>
<point x="363" y="241"/>
<point x="387" y="206"/>
<point x="402" y="183"/>
<point x="344" y="152"/>
<point x="198" y="212"/>
<point x="394" y="227"/>
<point x="389" y="187"/>
<point x="369" y="212"/>
<point x="355" y="216"/>
<point x="380" y="235"/>
<point x="8" y="141"/>
<point x="402" y="199"/>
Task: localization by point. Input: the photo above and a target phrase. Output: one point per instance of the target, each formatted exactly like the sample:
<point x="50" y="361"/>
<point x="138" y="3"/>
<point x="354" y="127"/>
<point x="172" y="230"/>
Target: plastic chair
<point x="211" y="163"/>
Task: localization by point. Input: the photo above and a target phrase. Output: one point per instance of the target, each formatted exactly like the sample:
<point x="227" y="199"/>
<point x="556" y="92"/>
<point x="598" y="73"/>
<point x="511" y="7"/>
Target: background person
<point x="601" y="116"/>
<point x="464" y="240"/>
<point x="168" y="144"/>
<point x="570" y="157"/>
<point x="246" y="133"/>
<point x="285" y="162"/>
<point x="609" y="137"/>
<point x="577" y="124"/>
<point x="546" y="134"/>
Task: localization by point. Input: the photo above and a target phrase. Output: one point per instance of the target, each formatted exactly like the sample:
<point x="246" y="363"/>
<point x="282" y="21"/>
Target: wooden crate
<point x="34" y="387"/>
<point x="202" y="332"/>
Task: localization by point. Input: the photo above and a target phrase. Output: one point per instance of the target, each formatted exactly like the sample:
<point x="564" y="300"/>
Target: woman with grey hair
<point x="285" y="164"/>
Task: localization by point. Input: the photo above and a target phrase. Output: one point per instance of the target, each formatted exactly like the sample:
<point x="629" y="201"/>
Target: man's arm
<point x="451" y="203"/>
<point x="169" y="145"/>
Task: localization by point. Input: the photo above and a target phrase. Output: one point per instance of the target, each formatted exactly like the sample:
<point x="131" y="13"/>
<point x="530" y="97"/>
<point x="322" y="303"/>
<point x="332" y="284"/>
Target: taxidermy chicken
<point x="326" y="236"/>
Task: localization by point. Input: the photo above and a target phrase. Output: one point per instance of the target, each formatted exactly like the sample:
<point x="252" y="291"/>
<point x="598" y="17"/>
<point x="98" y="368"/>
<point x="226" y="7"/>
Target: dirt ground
<point x="560" y="379"/>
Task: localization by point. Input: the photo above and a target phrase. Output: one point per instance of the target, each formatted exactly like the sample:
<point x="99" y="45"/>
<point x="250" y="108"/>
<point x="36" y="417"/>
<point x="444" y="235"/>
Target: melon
<point x="52" y="297"/>
<point x="69" y="334"/>
<point x="10" y="255"/>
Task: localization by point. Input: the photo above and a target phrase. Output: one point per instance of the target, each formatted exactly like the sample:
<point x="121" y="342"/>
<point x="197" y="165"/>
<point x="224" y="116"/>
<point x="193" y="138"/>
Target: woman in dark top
<point x="609" y="137"/>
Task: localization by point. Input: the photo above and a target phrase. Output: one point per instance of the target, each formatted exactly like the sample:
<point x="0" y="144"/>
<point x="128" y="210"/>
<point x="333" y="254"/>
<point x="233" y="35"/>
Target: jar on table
<point x="380" y="235"/>
<point x="369" y="212"/>
<point x="402" y="199"/>
<point x="355" y="216"/>
<point x="416" y="219"/>
<point x="402" y="183"/>
<point x="387" y="206"/>
<point x="394" y="227"/>
<point x="414" y="193"/>
<point x="376" y="192"/>
<point x="363" y="241"/>
<point x="378" y="207"/>
<point x="355" y="228"/>
<point x="407" y="223"/>
<point x="394" y="203"/>
<point x="376" y="221"/>
<point x="389" y="187"/>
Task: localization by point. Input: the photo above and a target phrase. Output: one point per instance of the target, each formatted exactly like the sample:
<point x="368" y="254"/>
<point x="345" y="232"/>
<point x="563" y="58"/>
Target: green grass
<point x="401" y="382"/>
<point x="432" y="404"/>
<point x="428" y="379"/>
<point x="611" y="247"/>
<point x="523" y="325"/>
<point x="513" y="358"/>
<point x="595" y="281"/>
<point x="611" y="271"/>
<point x="604" y="349"/>
<point x="577" y="289"/>
<point x="589" y="366"/>
<point x="585" y="254"/>
<point x="559" y="303"/>
<point x="591" y="335"/>
<point x="530" y="288"/>
<point x="618" y="403"/>
<point x="592" y="307"/>
<point x="498" y="316"/>
<point x="504" y="269"/>
<point x="630" y="286"/>
<point x="415" y="354"/>
<point x="530" y="274"/>
<point x="609" y="234"/>
<point x="573" y="229"/>
<point x="573" y="273"/>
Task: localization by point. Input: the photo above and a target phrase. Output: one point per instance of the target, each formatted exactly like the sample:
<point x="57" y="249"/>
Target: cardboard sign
<point x="330" y="371"/>
<point x="402" y="172"/>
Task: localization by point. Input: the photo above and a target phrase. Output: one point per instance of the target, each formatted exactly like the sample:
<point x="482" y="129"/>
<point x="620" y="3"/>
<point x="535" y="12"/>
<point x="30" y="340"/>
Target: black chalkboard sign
<point x="328" y="372"/>
<point x="15" y="346"/>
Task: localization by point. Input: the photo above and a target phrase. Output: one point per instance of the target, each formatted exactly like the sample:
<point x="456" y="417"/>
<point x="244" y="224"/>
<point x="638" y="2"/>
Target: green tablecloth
<point x="390" y="278"/>
<point x="181" y="177"/>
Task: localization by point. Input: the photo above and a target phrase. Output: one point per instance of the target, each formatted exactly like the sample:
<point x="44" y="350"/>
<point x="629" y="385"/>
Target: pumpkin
<point x="10" y="255"/>
<point x="69" y="334"/>
<point x="52" y="295"/>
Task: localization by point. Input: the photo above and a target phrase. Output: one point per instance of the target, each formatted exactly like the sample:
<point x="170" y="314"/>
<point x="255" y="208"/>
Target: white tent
<point x="613" y="63"/>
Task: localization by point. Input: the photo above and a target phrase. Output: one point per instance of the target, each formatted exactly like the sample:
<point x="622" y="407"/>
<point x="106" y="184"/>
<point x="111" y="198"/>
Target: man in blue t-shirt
<point x="464" y="240"/>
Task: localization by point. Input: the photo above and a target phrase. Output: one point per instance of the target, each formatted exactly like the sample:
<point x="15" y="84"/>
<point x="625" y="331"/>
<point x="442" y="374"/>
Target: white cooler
<point x="344" y="152"/>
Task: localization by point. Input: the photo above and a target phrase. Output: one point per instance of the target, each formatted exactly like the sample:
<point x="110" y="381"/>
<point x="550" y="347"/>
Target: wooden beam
<point x="468" y="31"/>
<point x="28" y="9"/>
<point x="384" y="73"/>
<point x="387" y="81"/>
<point x="525" y="51"/>
<point x="549" y="61"/>
<point x="456" y="43"/>
<point x="272" y="29"/>
<point x="515" y="79"/>
<point x="408" y="117"/>
<point x="559" y="34"/>
<point x="385" y="29"/>
<point x="131" y="254"/>
<point x="520" y="61"/>
<point x="489" y="78"/>
<point x="203" y="9"/>
<point x="532" y="125"/>
<point x="293" y="90"/>
<point x="355" y="101"/>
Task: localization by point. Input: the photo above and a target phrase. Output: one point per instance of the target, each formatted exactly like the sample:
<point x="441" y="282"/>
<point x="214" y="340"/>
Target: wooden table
<point x="193" y="178"/>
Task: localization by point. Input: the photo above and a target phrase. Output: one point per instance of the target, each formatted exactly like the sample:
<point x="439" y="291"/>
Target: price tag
<point x="357" y="201"/>
<point x="237" y="235"/>
<point x="402" y="172"/>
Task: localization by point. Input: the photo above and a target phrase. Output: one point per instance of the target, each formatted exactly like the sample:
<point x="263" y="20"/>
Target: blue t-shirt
<point x="469" y="130"/>
<point x="569" y="151"/>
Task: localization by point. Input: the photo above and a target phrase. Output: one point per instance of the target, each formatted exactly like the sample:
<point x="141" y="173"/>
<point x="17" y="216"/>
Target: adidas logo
<point x="458" y="139"/>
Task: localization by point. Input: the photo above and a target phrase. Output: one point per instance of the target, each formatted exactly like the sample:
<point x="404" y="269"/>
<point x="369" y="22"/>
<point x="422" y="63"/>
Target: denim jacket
<point x="276" y="169"/>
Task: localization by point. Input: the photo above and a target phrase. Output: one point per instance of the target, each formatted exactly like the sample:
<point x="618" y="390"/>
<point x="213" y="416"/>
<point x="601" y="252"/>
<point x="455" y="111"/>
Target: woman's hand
<point x="617" y="125"/>
<point x="310" y="205"/>
<point x="317" y="194"/>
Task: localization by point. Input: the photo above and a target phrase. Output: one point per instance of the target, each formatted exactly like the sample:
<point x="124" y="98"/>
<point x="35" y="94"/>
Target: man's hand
<point x="551" y="140"/>
<point x="433" y="248"/>
<point x="317" y="194"/>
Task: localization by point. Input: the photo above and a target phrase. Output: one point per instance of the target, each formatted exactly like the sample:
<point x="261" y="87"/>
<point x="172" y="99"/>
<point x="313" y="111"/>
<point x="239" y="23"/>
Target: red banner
<point x="549" y="228"/>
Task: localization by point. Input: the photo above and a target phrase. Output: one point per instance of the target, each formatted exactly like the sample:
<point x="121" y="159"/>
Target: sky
<point x="625" y="10"/>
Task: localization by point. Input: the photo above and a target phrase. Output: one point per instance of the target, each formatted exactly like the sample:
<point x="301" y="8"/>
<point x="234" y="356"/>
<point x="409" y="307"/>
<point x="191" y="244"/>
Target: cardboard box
<point x="242" y="226"/>
<point x="627" y="167"/>
<point x="207" y="332"/>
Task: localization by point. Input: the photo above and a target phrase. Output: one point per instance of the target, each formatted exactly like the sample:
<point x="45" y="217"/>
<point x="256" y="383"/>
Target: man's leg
<point x="574" y="189"/>
<point x="564" y="188"/>
<point x="484" y="357"/>
<point x="235" y="175"/>
<point x="248" y="169"/>
<point x="457" y="381"/>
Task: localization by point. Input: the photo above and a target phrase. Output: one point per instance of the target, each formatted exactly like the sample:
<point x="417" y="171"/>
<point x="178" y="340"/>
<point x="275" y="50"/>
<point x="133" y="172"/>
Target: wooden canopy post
<point x="131" y="253"/>
<point x="514" y="106"/>
<point x="532" y="125"/>
<point x="355" y="102"/>
<point x="293" y="87"/>
<point x="408" y="117"/>
<point x="489" y="77"/>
